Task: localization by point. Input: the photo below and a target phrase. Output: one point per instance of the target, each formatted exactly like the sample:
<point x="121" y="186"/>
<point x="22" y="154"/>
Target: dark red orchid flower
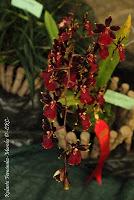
<point x="88" y="27"/>
<point x="47" y="142"/>
<point x="64" y="37"/>
<point x="58" y="59"/>
<point x="50" y="110"/>
<point x="91" y="58"/>
<point x="94" y="68"/>
<point x="71" y="82"/>
<point x="66" y="22"/>
<point x="85" y="97"/>
<point x="46" y="98"/>
<point x="105" y="38"/>
<point x="103" y="52"/>
<point x="121" y="51"/>
<point x="74" y="157"/>
<point x="106" y="32"/>
<point x="91" y="81"/>
<point x="85" y="121"/>
<point x="49" y="80"/>
<point x="100" y="98"/>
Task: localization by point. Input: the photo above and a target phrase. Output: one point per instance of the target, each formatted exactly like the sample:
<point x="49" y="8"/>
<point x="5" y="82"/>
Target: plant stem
<point x="65" y="92"/>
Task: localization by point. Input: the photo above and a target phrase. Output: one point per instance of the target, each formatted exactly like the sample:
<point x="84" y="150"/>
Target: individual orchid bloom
<point x="103" y="52"/>
<point x="50" y="110"/>
<point x="85" y="97"/>
<point x="88" y="27"/>
<point x="46" y="98"/>
<point x="58" y="59"/>
<point x="85" y="121"/>
<point x="100" y="98"/>
<point x="47" y="142"/>
<point x="71" y="82"/>
<point x="64" y="37"/>
<point x="121" y="51"/>
<point x="59" y="175"/>
<point x="91" y="82"/>
<point x="93" y="68"/>
<point x="74" y="157"/>
<point x="49" y="80"/>
<point x="106" y="36"/>
<point x="91" y="58"/>
<point x="45" y="125"/>
<point x="66" y="21"/>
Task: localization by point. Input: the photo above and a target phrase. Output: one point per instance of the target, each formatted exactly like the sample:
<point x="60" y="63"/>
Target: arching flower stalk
<point x="71" y="95"/>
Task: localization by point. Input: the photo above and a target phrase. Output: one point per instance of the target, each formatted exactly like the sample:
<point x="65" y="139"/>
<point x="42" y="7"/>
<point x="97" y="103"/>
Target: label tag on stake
<point x="119" y="99"/>
<point x="31" y="6"/>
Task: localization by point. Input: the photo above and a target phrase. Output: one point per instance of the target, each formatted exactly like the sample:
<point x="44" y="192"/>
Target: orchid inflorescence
<point x="69" y="72"/>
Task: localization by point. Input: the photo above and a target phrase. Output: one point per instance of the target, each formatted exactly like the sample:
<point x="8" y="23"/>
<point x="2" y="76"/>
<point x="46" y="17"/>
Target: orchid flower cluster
<point x="68" y="71"/>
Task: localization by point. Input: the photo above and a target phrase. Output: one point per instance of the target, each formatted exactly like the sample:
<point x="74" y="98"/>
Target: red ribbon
<point x="102" y="133"/>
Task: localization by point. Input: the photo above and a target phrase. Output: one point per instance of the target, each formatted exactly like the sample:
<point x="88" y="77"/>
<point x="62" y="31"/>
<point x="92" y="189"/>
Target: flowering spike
<point x="104" y="52"/>
<point x="50" y="110"/>
<point x="71" y="90"/>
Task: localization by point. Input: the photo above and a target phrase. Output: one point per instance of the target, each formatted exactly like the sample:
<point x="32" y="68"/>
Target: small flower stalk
<point x="71" y="97"/>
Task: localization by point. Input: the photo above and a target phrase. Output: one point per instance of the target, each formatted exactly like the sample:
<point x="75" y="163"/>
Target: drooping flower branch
<point x="73" y="74"/>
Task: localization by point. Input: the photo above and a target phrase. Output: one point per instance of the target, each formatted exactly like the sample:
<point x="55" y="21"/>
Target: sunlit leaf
<point x="51" y="26"/>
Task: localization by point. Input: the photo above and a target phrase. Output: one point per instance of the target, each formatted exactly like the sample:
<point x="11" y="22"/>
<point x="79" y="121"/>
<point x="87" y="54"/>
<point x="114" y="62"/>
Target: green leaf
<point x="106" y="67"/>
<point x="119" y="99"/>
<point x="28" y="72"/>
<point x="51" y="26"/>
<point x="31" y="6"/>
